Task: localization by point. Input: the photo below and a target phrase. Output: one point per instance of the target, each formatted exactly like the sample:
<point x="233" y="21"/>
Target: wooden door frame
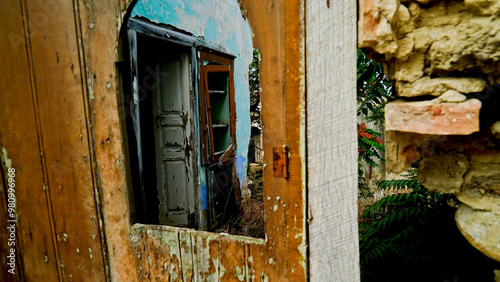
<point x="327" y="147"/>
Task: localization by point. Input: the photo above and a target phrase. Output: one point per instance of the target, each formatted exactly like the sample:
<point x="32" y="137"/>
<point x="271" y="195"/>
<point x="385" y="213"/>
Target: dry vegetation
<point x="250" y="221"/>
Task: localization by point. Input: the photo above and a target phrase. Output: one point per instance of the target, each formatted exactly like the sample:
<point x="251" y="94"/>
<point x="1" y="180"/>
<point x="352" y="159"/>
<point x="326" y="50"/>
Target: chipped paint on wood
<point x="206" y="252"/>
<point x="7" y="163"/>
<point x="47" y="143"/>
<point x="210" y="256"/>
<point x="164" y="255"/>
<point x="139" y="244"/>
<point x="187" y="260"/>
<point x="232" y="259"/>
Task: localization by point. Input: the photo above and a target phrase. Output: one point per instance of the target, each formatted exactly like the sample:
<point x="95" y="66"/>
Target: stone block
<point x="433" y="118"/>
<point x="369" y="17"/>
<point x="443" y="172"/>
<point x="451" y="96"/>
<point x="438" y="86"/>
<point x="481" y="228"/>
<point x="412" y="69"/>
<point x="484" y="7"/>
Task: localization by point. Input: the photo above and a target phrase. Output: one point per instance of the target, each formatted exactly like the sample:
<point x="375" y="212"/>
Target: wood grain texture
<point x="232" y="259"/>
<point x="64" y="139"/>
<point x="103" y="20"/>
<point x="164" y="255"/>
<point x="257" y="262"/>
<point x="331" y="137"/>
<point x="5" y="249"/>
<point x="187" y="249"/>
<point x="295" y="201"/>
<point x="19" y="139"/>
<point x="206" y="256"/>
<point x="279" y="33"/>
<point x="138" y="238"/>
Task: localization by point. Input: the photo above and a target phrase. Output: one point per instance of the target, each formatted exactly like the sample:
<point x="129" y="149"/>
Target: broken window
<point x="181" y="129"/>
<point x="218" y="112"/>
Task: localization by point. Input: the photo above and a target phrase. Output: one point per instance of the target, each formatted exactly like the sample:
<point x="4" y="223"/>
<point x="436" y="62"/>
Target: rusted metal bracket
<point x="280" y="161"/>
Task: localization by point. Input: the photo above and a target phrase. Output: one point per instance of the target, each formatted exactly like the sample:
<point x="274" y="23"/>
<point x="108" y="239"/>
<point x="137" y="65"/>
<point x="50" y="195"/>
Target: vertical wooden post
<point x="331" y="137"/>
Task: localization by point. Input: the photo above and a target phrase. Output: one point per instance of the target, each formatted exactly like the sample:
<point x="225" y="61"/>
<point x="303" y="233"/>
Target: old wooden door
<point x="173" y="127"/>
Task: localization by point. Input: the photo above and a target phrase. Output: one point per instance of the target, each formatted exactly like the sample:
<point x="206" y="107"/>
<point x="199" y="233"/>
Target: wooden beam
<point x="153" y="30"/>
<point x="103" y="19"/>
<point x="331" y="140"/>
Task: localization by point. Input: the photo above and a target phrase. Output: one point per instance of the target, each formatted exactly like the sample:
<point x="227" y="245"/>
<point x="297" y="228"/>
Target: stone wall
<point x="443" y="60"/>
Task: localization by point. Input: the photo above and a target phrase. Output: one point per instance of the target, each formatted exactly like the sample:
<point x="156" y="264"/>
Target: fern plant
<point x="405" y="230"/>
<point x="373" y="90"/>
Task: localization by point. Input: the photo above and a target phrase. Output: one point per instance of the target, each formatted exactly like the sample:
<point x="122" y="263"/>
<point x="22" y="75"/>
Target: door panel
<point x="174" y="158"/>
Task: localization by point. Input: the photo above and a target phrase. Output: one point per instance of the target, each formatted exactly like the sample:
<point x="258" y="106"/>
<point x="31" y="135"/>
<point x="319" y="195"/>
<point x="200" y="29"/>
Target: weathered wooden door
<point x="61" y="129"/>
<point x="173" y="127"/>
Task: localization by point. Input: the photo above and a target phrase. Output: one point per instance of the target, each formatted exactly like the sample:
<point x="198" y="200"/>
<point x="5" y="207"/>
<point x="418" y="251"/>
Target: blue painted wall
<point x="220" y="24"/>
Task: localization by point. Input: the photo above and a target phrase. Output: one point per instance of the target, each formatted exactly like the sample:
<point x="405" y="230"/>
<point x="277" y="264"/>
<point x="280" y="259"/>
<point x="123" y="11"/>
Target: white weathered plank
<point x="331" y="137"/>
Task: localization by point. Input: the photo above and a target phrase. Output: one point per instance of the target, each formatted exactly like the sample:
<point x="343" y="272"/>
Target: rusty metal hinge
<point x="280" y="161"/>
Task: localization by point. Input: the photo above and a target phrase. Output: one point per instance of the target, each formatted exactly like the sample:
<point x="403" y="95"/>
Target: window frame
<point x="226" y="65"/>
<point x="199" y="52"/>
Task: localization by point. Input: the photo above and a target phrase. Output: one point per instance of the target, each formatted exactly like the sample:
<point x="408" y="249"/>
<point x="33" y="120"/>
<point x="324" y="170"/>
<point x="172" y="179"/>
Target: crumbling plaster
<point x="443" y="59"/>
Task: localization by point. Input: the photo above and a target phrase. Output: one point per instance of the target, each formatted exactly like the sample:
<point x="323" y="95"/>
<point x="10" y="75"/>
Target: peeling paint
<point x="222" y="271"/>
<point x="119" y="163"/>
<point x="5" y="160"/>
<point x="264" y="277"/>
<point x="239" y="273"/>
<point x="90" y="85"/>
<point x="134" y="238"/>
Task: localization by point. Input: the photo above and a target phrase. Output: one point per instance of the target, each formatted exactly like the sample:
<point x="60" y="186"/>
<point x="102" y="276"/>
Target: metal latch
<point x="280" y="161"/>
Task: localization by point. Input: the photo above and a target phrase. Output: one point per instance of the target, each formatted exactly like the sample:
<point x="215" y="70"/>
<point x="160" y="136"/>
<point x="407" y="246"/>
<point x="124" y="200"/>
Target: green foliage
<point x="254" y="87"/>
<point x="373" y="89"/>
<point x="412" y="236"/>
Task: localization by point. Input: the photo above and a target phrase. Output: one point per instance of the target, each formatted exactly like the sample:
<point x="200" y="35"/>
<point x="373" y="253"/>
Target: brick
<point x="433" y="118"/>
